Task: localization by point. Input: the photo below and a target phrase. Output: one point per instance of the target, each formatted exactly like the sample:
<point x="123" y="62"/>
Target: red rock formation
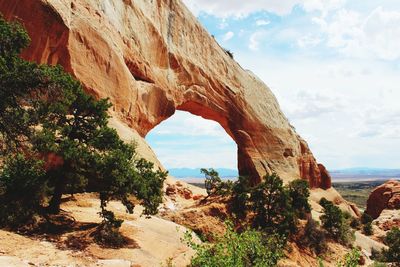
<point x="385" y="196"/>
<point x="152" y="58"/>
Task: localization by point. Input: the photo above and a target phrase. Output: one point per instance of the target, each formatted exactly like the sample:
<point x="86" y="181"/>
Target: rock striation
<point x="385" y="196"/>
<point x="152" y="57"/>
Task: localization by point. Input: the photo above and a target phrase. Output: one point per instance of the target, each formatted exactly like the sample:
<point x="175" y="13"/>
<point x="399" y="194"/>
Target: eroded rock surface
<point x="152" y="57"/>
<point x="385" y="196"/>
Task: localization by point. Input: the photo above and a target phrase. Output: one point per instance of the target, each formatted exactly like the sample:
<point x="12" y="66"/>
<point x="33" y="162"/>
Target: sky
<point x="334" y="66"/>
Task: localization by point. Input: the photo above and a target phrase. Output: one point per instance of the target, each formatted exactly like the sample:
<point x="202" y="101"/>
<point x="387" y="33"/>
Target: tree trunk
<point x="55" y="202"/>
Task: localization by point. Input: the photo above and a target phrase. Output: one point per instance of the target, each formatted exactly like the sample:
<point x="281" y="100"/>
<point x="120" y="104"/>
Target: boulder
<point x="385" y="196"/>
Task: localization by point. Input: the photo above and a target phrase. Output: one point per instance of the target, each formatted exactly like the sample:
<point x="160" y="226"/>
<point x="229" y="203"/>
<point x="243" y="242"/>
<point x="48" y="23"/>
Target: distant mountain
<point x="195" y="173"/>
<point x="366" y="172"/>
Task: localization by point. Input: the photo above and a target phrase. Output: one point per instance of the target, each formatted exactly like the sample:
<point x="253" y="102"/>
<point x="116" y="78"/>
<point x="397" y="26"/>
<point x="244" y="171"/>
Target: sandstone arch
<point x="151" y="57"/>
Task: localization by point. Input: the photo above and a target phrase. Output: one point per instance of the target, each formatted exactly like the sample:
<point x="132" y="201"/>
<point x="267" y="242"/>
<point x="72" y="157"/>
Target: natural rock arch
<point x="188" y="141"/>
<point x="153" y="57"/>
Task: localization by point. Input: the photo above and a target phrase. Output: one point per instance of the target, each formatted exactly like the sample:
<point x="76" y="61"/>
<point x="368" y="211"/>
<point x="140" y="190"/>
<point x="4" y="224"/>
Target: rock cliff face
<point x="152" y="57"/>
<point x="386" y="196"/>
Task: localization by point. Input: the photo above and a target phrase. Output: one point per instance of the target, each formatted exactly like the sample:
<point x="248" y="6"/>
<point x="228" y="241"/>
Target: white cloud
<point x="308" y="41"/>
<point x="347" y="110"/>
<point x="262" y="22"/>
<point x="186" y="140"/>
<point x="227" y="36"/>
<point x="238" y="8"/>
<point x="323" y="5"/>
<point x="187" y="124"/>
<point x="255" y="39"/>
<point x="375" y="35"/>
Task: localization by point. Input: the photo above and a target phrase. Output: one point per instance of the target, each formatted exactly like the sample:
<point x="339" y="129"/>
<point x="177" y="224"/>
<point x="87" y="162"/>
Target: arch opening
<point x="184" y="143"/>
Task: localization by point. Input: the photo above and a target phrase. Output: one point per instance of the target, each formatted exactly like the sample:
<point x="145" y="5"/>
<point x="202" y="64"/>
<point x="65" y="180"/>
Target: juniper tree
<point x="45" y="112"/>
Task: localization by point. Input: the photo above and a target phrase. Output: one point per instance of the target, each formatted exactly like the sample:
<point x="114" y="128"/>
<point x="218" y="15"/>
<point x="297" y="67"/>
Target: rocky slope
<point x="385" y="196"/>
<point x="152" y="57"/>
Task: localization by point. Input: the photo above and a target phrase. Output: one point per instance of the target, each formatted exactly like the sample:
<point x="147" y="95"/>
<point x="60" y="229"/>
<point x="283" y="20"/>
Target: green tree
<point x="299" y="193"/>
<point x="19" y="79"/>
<point x="249" y="248"/>
<point x="271" y="204"/>
<point x="22" y="187"/>
<point x="240" y="198"/>
<point x="67" y="129"/>
<point x="212" y="181"/>
<point x="314" y="237"/>
<point x="392" y="254"/>
<point x="366" y="218"/>
<point x="334" y="222"/>
<point x="367" y="229"/>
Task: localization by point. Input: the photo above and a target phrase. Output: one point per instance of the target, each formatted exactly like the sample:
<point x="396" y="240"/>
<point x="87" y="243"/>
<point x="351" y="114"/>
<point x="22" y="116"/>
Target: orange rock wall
<point x="152" y="57"/>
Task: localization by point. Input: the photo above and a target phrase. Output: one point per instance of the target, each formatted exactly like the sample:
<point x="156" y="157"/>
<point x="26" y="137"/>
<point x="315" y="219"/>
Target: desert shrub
<point x="392" y="240"/>
<point x="240" y="198"/>
<point x="271" y="204"/>
<point x="299" y="193"/>
<point x="22" y="186"/>
<point x="367" y="229"/>
<point x="249" y="248"/>
<point x="351" y="259"/>
<point x="229" y="53"/>
<point x="334" y="222"/>
<point x="314" y="237"/>
<point x="355" y="223"/>
<point x="377" y="255"/>
<point x="366" y="218"/>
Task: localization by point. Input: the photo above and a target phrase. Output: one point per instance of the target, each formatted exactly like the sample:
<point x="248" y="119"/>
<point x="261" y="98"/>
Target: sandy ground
<point x="158" y="241"/>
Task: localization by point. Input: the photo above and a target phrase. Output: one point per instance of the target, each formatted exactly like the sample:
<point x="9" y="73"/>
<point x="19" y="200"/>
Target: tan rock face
<point x="386" y="196"/>
<point x="152" y="57"/>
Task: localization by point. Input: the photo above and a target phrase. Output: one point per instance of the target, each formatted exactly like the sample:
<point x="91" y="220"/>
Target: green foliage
<point x="22" y="186"/>
<point x="314" y="237"/>
<point x="212" y="181"/>
<point x="249" y="248"/>
<point x="367" y="229"/>
<point x="366" y="218"/>
<point x="392" y="254"/>
<point x="299" y="193"/>
<point x="214" y="185"/>
<point x="355" y="223"/>
<point x="45" y="114"/>
<point x="335" y="223"/>
<point x="240" y="197"/>
<point x="351" y="259"/>
<point x="271" y="205"/>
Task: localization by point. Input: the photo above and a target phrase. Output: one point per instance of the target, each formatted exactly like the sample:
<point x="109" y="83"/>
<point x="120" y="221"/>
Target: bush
<point x="351" y="259"/>
<point x="249" y="248"/>
<point x="299" y="193"/>
<point x="366" y="218"/>
<point x="22" y="187"/>
<point x="314" y="237"/>
<point x="367" y="229"/>
<point x="270" y="202"/>
<point x="392" y="240"/>
<point x="334" y="222"/>
<point x="355" y="223"/>
<point x="272" y="206"/>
